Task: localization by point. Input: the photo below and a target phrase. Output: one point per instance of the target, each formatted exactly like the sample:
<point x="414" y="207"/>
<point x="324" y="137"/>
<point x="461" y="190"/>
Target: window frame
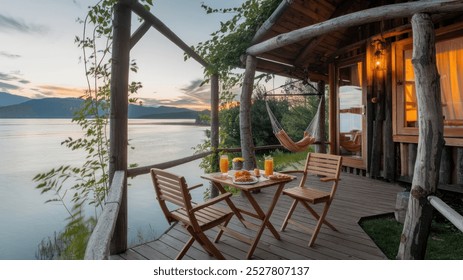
<point x="402" y="133"/>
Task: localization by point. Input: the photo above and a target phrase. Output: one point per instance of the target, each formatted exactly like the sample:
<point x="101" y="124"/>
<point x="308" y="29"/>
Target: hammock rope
<point x="311" y="133"/>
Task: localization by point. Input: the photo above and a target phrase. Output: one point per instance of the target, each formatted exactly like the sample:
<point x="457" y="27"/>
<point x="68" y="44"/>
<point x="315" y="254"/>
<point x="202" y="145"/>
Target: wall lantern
<point x="379" y="54"/>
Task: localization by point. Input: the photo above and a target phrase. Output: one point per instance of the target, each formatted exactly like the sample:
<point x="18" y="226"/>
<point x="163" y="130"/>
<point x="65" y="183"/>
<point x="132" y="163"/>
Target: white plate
<point x="254" y="180"/>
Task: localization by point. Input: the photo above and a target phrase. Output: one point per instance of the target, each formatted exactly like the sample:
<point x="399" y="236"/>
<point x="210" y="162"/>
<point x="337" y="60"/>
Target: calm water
<point x="31" y="146"/>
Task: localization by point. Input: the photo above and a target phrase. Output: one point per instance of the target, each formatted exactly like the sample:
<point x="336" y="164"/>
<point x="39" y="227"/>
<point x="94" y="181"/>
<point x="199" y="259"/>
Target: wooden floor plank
<point x="356" y="197"/>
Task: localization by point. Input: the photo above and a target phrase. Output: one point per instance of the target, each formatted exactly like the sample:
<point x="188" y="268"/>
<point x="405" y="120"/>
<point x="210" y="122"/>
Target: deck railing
<point x="450" y="214"/>
<point x="100" y="240"/>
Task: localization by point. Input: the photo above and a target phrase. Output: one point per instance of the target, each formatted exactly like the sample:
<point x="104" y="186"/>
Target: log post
<point x="415" y="233"/>
<point x="389" y="146"/>
<point x="214" y="127"/>
<point x="247" y="144"/>
<point x="332" y="104"/>
<point x="119" y="114"/>
<point x="321" y="118"/>
<point x="377" y="133"/>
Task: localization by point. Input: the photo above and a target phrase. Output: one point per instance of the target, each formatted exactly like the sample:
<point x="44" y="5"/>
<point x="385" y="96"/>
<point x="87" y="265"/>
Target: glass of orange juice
<point x="224" y="164"/>
<point x="268" y="166"/>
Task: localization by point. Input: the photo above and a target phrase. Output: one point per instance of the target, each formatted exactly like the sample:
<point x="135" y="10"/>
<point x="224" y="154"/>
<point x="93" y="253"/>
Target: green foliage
<point x="226" y="46"/>
<point x="79" y="187"/>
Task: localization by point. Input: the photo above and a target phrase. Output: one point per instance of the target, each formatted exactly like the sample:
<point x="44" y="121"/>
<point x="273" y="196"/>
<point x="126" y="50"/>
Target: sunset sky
<point x="39" y="58"/>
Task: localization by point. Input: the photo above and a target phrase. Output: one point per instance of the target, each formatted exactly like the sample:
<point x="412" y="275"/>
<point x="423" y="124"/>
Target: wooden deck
<point x="356" y="197"/>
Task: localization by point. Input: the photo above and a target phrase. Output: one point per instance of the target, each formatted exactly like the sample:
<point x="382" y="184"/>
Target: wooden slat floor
<point x="356" y="197"/>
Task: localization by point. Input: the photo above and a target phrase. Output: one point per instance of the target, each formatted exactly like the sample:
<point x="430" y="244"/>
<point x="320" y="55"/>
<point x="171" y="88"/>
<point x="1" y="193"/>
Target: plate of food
<point x="244" y="177"/>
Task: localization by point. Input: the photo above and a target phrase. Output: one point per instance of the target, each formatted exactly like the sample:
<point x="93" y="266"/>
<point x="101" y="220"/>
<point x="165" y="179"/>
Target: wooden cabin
<point x="365" y="59"/>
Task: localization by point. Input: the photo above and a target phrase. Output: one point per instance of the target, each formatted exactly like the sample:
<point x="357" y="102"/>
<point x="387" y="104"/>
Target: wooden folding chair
<point x="326" y="166"/>
<point x="196" y="218"/>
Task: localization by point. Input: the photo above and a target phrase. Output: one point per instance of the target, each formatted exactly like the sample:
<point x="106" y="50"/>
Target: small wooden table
<point x="219" y="181"/>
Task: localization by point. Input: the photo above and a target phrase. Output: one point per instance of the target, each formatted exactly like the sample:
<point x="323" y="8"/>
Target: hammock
<point x="311" y="133"/>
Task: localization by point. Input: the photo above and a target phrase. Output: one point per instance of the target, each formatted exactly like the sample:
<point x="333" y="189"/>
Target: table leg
<point x="230" y="203"/>
<point x="265" y="217"/>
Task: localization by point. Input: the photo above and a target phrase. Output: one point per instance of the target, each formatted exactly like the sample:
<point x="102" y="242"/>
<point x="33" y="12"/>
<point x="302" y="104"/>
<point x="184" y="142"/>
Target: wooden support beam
<point x="118" y="131"/>
<point x="354" y="19"/>
<point x="332" y="110"/>
<point x="430" y="142"/>
<point x="321" y="119"/>
<point x="215" y="127"/>
<point x="389" y="145"/>
<point x="268" y="24"/>
<point x="139" y="33"/>
<point x="247" y="143"/>
<point x="164" y="30"/>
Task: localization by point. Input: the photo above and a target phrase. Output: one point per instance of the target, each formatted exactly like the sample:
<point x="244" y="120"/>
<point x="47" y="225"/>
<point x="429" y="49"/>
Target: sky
<point x="38" y="56"/>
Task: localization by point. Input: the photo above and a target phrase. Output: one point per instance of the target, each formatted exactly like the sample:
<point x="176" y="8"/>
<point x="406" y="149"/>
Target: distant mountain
<point x="65" y="108"/>
<point x="161" y="112"/>
<point x="7" y="99"/>
<point x="42" y="108"/>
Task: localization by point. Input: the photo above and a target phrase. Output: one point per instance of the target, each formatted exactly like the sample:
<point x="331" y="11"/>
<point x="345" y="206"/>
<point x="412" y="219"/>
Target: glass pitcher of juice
<point x="224" y="164"/>
<point x="268" y="166"/>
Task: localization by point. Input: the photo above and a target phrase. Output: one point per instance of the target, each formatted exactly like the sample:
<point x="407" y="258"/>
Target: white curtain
<point x="449" y="58"/>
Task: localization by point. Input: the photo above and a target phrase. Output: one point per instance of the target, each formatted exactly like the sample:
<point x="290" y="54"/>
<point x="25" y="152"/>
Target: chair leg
<point x="185" y="248"/>
<point x="209" y="246"/>
<point x="288" y="216"/>
<point x="319" y="224"/>
<point x="317" y="217"/>
<point x="219" y="234"/>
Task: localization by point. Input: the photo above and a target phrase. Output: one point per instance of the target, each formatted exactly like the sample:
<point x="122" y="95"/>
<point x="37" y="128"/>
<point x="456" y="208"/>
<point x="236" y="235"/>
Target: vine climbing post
<point x="119" y="113"/>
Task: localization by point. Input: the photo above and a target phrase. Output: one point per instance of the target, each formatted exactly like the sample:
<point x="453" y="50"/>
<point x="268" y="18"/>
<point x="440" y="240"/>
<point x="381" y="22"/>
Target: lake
<point x="32" y="146"/>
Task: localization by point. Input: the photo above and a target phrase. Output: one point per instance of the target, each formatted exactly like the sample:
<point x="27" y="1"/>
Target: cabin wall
<point x="406" y="139"/>
<point x="390" y="154"/>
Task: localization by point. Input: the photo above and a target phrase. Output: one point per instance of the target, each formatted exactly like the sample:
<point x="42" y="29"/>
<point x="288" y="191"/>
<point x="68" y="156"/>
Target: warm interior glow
<point x="449" y="59"/>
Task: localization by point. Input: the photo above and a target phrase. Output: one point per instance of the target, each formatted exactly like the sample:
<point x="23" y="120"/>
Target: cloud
<point x="7" y="77"/>
<point x="5" y="86"/>
<point x="9" y="55"/>
<point x="18" y="25"/>
<point x="56" y="91"/>
<point x="12" y="77"/>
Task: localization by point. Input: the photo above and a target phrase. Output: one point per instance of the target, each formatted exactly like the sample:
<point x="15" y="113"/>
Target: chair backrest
<point x="324" y="165"/>
<point x="170" y="188"/>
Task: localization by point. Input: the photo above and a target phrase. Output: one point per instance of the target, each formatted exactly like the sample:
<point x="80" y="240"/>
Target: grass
<point x="444" y="243"/>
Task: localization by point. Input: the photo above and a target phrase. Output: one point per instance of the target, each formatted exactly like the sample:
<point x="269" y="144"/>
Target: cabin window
<point x="449" y="60"/>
